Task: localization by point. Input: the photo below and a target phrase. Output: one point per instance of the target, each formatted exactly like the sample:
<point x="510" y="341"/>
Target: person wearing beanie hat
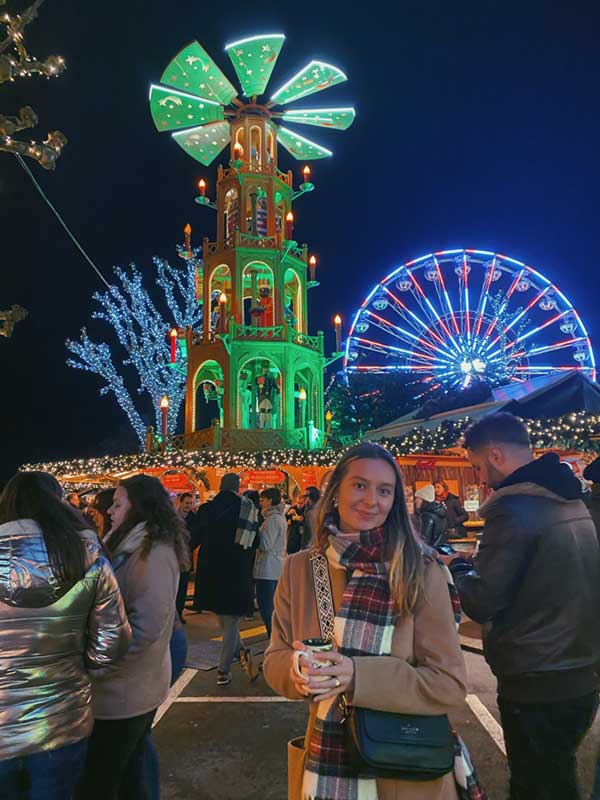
<point x="426" y="493"/>
<point x="223" y="574"/>
<point x="431" y="515"/>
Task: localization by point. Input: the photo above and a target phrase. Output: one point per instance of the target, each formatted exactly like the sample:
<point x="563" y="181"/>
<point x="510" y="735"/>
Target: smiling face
<point x="120" y="507"/>
<point x="366" y="495"/>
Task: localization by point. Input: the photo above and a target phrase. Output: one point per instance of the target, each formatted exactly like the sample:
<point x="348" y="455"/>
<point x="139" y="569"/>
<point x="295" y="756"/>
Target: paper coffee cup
<point x="313" y="646"/>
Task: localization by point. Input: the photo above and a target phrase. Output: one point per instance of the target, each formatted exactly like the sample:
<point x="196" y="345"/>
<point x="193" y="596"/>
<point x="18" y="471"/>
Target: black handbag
<point x="412" y="747"/>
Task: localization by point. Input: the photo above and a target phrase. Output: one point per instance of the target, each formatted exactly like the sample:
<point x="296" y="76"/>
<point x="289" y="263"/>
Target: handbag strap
<point x="324" y="597"/>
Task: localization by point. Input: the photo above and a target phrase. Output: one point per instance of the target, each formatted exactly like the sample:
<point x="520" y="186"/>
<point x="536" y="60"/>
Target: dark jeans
<point x="48" y="775"/>
<point x="541" y="742"/>
<point x="184" y="579"/>
<point x="265" y="592"/>
<point x="114" y="767"/>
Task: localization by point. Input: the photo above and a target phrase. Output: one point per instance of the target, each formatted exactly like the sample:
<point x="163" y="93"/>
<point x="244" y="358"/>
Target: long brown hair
<point x="403" y="550"/>
<point x="150" y="503"/>
<point x="38" y="496"/>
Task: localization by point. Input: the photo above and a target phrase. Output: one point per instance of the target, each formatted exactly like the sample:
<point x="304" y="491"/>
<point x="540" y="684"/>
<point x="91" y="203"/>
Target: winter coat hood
<point x="26" y="578"/>
<point x="543" y="477"/>
<point x="280" y="509"/>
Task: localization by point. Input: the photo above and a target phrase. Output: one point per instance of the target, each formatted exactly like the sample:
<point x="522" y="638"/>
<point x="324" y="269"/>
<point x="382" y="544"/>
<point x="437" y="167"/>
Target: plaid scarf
<point x="247" y="524"/>
<point x="364" y="626"/>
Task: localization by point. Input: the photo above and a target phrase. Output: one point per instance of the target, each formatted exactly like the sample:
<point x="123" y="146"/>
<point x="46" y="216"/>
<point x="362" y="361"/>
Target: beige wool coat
<point x="425" y="673"/>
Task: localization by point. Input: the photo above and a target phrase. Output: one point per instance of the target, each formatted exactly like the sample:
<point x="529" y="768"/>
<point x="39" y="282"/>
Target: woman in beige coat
<point x="396" y="645"/>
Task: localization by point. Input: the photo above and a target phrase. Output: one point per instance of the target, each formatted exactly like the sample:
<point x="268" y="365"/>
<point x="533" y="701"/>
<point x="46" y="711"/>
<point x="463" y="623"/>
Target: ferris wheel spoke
<point x="414" y="319"/>
<point x="467" y="310"/>
<point x="446" y="295"/>
<point x="403" y="335"/>
<point x="532" y="332"/>
<point x="527" y="308"/>
<point x="388" y="368"/>
<point x="505" y="303"/>
<point x="378" y="347"/>
<point x="425" y="300"/>
<point x="558" y="346"/>
<point x="483" y="298"/>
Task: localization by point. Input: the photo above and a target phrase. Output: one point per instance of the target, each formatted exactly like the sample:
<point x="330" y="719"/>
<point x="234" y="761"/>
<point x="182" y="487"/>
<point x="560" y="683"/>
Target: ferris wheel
<point x="457" y="317"/>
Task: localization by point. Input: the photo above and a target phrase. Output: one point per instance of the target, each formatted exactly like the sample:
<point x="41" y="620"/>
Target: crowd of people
<point x="93" y="603"/>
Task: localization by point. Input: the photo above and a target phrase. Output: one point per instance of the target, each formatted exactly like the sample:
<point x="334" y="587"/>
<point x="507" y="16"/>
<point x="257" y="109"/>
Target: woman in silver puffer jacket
<point x="61" y="617"/>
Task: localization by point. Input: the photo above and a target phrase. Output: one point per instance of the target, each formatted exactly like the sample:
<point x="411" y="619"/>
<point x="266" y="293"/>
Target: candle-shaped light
<point x="302" y="394"/>
<point x="337" y="321"/>
<point x="312" y="263"/>
<point x="238" y="152"/>
<point x="187" y="233"/>
<point x="202" y="187"/>
<point x="222" y="312"/>
<point x="289" y="226"/>
<point x="173" y="334"/>
<point x="306" y="173"/>
<point x="164" y="410"/>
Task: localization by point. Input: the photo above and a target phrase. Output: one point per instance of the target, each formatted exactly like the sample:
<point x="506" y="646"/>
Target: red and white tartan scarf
<point x="364" y="626"/>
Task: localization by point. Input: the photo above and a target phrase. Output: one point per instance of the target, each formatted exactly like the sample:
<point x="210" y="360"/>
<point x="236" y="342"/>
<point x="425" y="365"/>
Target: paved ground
<point x="230" y="743"/>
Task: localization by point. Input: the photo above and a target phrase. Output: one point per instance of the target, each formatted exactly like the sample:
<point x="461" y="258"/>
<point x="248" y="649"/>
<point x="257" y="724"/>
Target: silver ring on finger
<point x="337" y="683"/>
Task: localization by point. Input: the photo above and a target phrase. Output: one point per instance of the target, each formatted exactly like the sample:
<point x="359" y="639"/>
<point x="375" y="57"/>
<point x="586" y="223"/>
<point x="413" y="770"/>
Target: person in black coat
<point x="431" y="515"/>
<point x="223" y="571"/>
<point x="455" y="513"/>
<point x="535" y="586"/>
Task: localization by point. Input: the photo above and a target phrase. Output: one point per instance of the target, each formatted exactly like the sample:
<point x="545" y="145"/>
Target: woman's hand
<point x="339" y="675"/>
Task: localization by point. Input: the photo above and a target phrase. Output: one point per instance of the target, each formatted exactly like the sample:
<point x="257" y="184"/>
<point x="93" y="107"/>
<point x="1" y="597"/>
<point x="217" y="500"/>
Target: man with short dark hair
<point x="535" y="586"/>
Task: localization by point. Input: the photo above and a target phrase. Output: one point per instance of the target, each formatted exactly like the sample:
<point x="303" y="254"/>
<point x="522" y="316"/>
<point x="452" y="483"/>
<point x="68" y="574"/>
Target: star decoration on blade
<point x="195" y="100"/>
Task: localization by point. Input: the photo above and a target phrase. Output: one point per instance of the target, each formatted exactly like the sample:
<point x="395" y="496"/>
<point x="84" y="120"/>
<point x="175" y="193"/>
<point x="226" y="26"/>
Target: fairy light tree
<point x="16" y="63"/>
<point x="141" y="326"/>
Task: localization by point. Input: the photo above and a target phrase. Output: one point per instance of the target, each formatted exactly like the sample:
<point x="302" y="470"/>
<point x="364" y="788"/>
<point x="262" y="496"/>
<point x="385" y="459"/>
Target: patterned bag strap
<point x="325" y="609"/>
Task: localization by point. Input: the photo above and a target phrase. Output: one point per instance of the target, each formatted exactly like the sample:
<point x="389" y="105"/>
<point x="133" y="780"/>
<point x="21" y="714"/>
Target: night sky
<point x="478" y="125"/>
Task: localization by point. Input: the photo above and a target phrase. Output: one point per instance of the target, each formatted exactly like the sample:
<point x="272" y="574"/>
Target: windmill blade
<point x="301" y="148"/>
<point x="204" y="143"/>
<point x="193" y="70"/>
<point x="174" y="110"/>
<point x="254" y="59"/>
<point x="338" y="118"/>
<point x="315" y="77"/>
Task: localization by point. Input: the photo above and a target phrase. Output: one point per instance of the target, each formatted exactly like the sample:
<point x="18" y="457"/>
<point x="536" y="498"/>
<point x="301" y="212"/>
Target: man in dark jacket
<point x="535" y="585"/>
<point x="224" y="572"/>
<point x="455" y="513"/>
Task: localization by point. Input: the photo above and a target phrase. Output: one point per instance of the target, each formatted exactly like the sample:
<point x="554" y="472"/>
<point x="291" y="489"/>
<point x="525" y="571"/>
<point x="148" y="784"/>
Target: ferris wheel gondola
<point x="457" y="317"/>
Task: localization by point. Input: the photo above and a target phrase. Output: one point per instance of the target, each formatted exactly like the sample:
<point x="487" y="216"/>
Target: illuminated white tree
<point x="142" y="332"/>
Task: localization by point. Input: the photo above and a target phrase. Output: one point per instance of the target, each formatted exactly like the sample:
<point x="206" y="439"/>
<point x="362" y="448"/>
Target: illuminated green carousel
<point x="254" y="372"/>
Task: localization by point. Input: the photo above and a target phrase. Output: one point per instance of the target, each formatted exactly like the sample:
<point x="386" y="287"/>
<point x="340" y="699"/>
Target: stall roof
<point x="546" y="396"/>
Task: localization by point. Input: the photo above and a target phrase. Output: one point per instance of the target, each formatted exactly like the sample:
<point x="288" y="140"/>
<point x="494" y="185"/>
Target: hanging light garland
<point x="577" y="431"/>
